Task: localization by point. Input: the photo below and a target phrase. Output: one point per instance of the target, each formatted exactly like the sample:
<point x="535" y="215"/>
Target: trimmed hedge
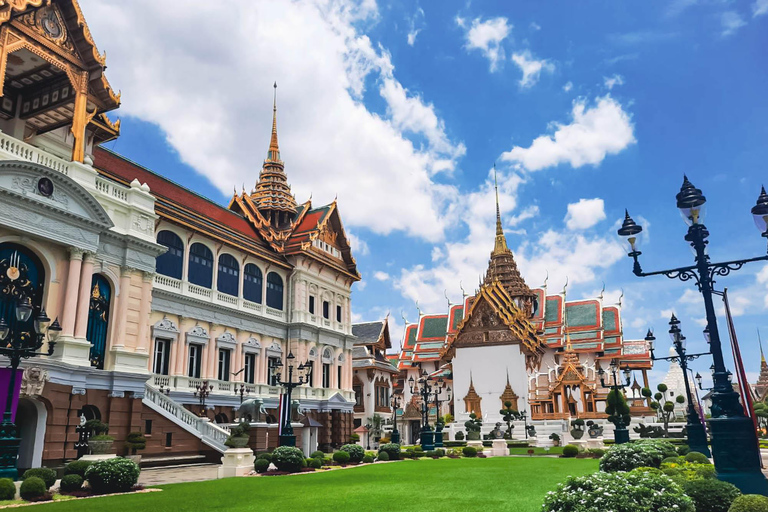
<point x="367" y="459"/>
<point x="314" y="463"/>
<point x="47" y="475"/>
<point x="261" y="465"/>
<point x="570" y="450"/>
<point x="288" y="458"/>
<point x="317" y="455"/>
<point x="355" y="451"/>
<point x="697" y="458"/>
<point x="77" y="467"/>
<point x="341" y="457"/>
<point x="383" y="456"/>
<point x="112" y="475"/>
<point x="32" y="487"/>
<point x="7" y="489"/>
<point x="749" y="503"/>
<point x="71" y="483"/>
<point x="711" y="495"/>
<point x="469" y="451"/>
<point x="391" y="449"/>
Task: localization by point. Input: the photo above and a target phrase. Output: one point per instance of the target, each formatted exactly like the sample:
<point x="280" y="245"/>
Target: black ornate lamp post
<point x="242" y="391"/>
<point x="620" y="433"/>
<point x="438" y="391"/>
<point x="394" y="403"/>
<point x="734" y="440"/>
<point x="423" y="387"/>
<point x="697" y="434"/>
<point x="286" y="436"/>
<point x="16" y="346"/>
<point x="202" y="392"/>
<point x="368" y="428"/>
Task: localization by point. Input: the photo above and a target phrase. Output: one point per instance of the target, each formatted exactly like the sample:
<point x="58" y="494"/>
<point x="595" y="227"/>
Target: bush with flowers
<point x="628" y="456"/>
<point x="684" y="471"/>
<point x="112" y="475"/>
<point x="618" y="492"/>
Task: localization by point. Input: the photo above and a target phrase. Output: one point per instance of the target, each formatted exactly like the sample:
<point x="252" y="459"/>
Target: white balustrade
<point x="20" y="150"/>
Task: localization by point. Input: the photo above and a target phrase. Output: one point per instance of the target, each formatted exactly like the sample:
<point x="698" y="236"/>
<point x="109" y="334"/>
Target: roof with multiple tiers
<point x="372" y="340"/>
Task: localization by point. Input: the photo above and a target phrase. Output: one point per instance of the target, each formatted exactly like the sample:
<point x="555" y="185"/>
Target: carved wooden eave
<point x="494" y="319"/>
<point x="245" y="205"/>
<point x="10" y="8"/>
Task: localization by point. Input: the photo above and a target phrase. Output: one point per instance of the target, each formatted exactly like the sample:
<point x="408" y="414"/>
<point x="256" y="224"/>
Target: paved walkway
<point x="178" y="474"/>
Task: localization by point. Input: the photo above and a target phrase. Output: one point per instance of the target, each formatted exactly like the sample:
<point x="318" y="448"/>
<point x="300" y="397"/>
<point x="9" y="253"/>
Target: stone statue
<point x="32" y="381"/>
<point x="251" y="410"/>
<point x="497" y="433"/>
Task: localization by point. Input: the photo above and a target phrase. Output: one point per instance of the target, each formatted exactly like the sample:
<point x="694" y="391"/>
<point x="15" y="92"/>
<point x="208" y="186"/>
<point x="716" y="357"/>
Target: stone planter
<point x="473" y="436"/>
<point x="595" y="432"/>
<point x="577" y="434"/>
<point x="239" y="441"/>
<point x="100" y="447"/>
<point x="134" y="458"/>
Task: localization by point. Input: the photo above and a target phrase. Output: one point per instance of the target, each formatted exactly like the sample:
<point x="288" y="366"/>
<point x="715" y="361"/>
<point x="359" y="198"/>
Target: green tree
<point x="665" y="408"/>
<point x="761" y="411"/>
<point x="473" y="426"/>
<point x="616" y="408"/>
<point x="508" y="414"/>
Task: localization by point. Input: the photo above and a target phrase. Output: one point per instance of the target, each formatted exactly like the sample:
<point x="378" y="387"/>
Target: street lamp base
<point x="427" y="440"/>
<point x="395" y="437"/>
<point x="9" y="450"/>
<point x="621" y="435"/>
<point x="697" y="438"/>
<point x="287" y="440"/>
<point x="438" y="439"/>
<point x="736" y="454"/>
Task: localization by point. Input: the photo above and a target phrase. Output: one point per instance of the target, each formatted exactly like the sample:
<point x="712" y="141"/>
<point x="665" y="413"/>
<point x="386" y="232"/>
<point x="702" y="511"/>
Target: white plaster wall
<point x="489" y="366"/>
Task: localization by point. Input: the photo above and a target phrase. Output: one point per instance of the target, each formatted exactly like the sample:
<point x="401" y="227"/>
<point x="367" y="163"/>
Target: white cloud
<point x="611" y="81"/>
<point x="358" y="245"/>
<point x="416" y="25"/>
<point x="568" y="86"/>
<point x="595" y="132"/>
<point x="531" y="68"/>
<point x="731" y="21"/>
<point x="585" y="214"/>
<point x="360" y="285"/>
<point x="535" y="26"/>
<point x="487" y="36"/>
<point x="381" y="276"/>
<point x="194" y="92"/>
<point x="759" y="8"/>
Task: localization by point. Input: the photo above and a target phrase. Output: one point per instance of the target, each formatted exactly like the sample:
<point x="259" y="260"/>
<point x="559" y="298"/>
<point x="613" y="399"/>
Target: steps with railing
<point x="209" y="433"/>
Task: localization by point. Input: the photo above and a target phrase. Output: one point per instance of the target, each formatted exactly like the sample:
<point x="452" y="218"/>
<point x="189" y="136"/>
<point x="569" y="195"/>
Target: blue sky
<point x="402" y="108"/>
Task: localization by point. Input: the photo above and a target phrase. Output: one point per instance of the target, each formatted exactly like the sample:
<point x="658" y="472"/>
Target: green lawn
<point x="498" y="484"/>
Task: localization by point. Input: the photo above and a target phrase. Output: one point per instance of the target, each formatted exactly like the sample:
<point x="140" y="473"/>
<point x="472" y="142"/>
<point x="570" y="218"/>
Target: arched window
<point x="200" y="266"/>
<point x="98" y="319"/>
<point x="21" y="275"/>
<point x="229" y="275"/>
<point x="172" y="261"/>
<point x="252" y="280"/>
<point x="274" y="291"/>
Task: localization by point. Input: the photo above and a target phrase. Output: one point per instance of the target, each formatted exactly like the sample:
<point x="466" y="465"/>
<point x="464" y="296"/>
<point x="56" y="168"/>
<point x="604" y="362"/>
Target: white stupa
<point x="675" y="383"/>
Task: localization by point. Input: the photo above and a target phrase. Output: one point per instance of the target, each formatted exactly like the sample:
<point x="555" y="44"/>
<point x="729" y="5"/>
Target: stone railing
<point x="16" y="149"/>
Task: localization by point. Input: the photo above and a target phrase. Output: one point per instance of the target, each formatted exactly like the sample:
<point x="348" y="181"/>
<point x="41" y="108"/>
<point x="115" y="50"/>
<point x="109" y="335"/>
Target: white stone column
<point x="122" y="307"/>
<point x="142" y="341"/>
<point x="70" y="298"/>
<point x="84" y="296"/>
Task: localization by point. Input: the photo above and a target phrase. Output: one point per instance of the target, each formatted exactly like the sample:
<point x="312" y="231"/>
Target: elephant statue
<point x="251" y="410"/>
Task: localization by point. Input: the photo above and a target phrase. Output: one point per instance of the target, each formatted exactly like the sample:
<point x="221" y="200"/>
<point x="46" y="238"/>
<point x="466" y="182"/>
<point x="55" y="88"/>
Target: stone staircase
<point x="209" y="433"/>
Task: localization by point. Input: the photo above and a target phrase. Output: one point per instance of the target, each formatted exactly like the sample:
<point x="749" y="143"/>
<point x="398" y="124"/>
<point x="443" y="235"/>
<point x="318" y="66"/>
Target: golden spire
<point x="274" y="149"/>
<point x="500" y="245"/>
<point x="762" y="356"/>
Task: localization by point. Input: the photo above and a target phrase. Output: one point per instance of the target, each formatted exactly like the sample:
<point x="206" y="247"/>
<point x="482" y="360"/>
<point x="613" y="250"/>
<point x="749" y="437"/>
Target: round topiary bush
<point x="391" y="449"/>
<point x="77" y="467"/>
<point x="469" y="451"/>
<point x="383" y="456"/>
<point x="749" y="503"/>
<point x="355" y="451"/>
<point x="367" y="459"/>
<point x="317" y="455"/>
<point x="341" y="457"/>
<point x="7" y="489"/>
<point x="459" y="436"/>
<point x="711" y="495"/>
<point x="261" y="465"/>
<point x="618" y="492"/>
<point x="71" y="483"/>
<point x="315" y="463"/>
<point x="32" y="487"/>
<point x="697" y="458"/>
<point x="112" y="475"/>
<point x="266" y="456"/>
<point x="47" y="475"/>
<point x="683" y="449"/>
<point x="672" y="460"/>
<point x="288" y="458"/>
<point x="570" y="450"/>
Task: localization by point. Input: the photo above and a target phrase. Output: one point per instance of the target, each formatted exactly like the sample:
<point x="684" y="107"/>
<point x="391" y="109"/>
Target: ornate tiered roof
<point x="761" y="388"/>
<point x="273" y="193"/>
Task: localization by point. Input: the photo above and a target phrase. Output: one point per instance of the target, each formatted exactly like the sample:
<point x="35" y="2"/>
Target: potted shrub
<point x="594" y="429"/>
<point x="100" y="442"/>
<point x="577" y="428"/>
<point x="135" y="442"/>
<point x="473" y="426"/>
<point x="238" y="436"/>
<point x="555" y="439"/>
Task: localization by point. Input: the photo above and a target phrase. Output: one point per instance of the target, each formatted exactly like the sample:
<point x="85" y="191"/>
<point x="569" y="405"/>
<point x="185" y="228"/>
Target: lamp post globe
<point x="734" y="439"/>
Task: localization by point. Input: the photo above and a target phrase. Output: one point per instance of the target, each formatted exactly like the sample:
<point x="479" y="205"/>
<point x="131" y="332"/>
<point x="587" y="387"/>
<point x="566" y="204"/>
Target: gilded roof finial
<point x="500" y="245"/>
<point x="274" y="150"/>
<point x="760" y="342"/>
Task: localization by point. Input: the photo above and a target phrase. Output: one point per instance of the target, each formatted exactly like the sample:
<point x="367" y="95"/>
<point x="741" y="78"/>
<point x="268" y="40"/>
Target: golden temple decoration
<point x="472" y="399"/>
<point x="509" y="395"/>
<point x="101" y="59"/>
<point x="7" y="7"/>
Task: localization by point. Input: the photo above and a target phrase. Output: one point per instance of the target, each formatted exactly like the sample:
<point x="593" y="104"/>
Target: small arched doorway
<point x="31" y="416"/>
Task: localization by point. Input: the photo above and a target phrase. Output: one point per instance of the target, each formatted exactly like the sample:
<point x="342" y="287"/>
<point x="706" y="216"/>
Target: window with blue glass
<point x="98" y="319"/>
<point x="228" y="280"/>
<point x="21" y="275"/>
<point x="274" y="291"/>
<point x="252" y="281"/>
<point x="200" y="266"/>
<point x="172" y="262"/>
